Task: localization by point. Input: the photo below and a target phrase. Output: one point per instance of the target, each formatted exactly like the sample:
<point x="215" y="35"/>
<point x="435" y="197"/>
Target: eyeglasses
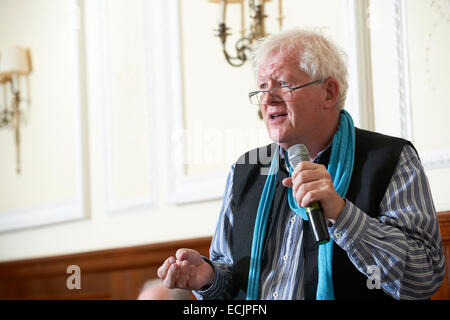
<point x="256" y="96"/>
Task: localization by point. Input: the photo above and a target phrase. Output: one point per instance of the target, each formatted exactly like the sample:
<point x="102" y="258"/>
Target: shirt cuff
<point x="350" y="227"/>
<point x="216" y="288"/>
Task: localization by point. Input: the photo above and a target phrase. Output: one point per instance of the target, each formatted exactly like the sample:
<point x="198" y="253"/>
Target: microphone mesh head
<point x="298" y="153"/>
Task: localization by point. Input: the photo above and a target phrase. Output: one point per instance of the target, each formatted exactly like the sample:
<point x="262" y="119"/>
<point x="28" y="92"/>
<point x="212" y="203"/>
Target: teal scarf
<point x="340" y="168"/>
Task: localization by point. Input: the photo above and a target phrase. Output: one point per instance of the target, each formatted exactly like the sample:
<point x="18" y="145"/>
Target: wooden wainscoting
<point x="106" y="274"/>
<point x="120" y="273"/>
<point x="444" y="223"/>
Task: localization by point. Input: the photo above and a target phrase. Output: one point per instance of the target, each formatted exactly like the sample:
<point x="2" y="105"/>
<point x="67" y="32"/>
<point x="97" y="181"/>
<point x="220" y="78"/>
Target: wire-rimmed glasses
<point x="284" y="91"/>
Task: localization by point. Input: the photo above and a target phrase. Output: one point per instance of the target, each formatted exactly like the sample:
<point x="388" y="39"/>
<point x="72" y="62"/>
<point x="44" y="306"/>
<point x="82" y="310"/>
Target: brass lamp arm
<point x="242" y="45"/>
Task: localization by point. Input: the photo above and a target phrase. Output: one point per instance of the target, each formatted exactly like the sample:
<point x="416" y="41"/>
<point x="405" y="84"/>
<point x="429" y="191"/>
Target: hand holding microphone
<point x="313" y="189"/>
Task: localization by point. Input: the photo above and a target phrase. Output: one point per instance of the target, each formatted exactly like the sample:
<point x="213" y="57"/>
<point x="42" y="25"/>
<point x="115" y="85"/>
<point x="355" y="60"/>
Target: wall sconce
<point x="256" y="30"/>
<point x="14" y="62"/>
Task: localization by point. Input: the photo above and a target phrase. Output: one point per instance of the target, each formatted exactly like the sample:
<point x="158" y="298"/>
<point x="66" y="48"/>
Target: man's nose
<point x="271" y="96"/>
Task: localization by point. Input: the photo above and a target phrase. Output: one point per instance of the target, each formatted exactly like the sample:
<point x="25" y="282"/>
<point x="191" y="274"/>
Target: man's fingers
<point x="162" y="271"/>
<point x="304" y="165"/>
<point x="172" y="275"/>
<point x="182" y="271"/>
<point x="192" y="256"/>
<point x="287" y="182"/>
<point x="183" y="275"/>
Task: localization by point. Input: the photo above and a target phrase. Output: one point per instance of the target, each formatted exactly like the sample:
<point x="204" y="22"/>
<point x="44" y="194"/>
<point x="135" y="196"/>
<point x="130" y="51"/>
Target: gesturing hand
<point x="187" y="270"/>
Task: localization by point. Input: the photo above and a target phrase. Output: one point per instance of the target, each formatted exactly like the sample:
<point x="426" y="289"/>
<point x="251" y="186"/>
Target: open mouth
<point x="275" y="116"/>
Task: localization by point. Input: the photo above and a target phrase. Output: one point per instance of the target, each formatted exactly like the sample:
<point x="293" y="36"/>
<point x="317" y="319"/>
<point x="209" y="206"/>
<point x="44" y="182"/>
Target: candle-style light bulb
<point x="222" y="11"/>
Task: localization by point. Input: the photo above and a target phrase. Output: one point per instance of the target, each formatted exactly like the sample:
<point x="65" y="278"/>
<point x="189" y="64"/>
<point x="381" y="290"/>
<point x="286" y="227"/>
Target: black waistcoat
<point x="376" y="157"/>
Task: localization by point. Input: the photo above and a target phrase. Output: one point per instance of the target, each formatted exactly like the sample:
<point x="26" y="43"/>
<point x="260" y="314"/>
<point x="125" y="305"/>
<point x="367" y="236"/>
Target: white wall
<point x="409" y="44"/>
<point x="135" y="116"/>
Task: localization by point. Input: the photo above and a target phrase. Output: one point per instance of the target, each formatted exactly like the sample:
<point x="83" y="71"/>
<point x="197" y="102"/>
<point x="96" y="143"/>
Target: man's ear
<point x="332" y="92"/>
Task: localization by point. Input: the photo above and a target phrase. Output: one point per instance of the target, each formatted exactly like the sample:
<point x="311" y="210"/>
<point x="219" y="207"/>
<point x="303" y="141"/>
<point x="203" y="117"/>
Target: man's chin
<point x="281" y="139"/>
<point x="277" y="135"/>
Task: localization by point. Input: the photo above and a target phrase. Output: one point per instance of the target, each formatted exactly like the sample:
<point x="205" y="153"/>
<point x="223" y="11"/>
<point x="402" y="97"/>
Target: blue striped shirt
<point x="404" y="242"/>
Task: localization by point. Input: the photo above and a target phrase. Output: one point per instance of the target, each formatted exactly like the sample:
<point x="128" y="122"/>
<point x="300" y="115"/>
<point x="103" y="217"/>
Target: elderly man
<point x="371" y="188"/>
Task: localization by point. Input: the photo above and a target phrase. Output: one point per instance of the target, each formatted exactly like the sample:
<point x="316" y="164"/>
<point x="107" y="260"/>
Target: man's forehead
<point x="278" y="59"/>
<point x="274" y="60"/>
<point x="276" y="67"/>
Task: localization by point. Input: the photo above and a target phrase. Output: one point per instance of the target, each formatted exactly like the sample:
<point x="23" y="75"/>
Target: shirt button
<point x="293" y="219"/>
<point x="275" y="294"/>
<point x="338" y="235"/>
<point x="285" y="257"/>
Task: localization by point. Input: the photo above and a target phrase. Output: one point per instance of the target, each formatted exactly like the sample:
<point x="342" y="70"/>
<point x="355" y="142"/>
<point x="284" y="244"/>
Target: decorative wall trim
<point x="432" y="159"/>
<point x="359" y="64"/>
<point x="180" y="188"/>
<point x="74" y="208"/>
<point x="401" y="54"/>
<point x="41" y="215"/>
<point x="112" y="205"/>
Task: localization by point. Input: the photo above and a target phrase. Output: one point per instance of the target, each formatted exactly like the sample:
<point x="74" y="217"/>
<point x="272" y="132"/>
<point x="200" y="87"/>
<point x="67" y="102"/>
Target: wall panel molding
<point x="359" y="64"/>
<point x="77" y="208"/>
<point x="181" y="188"/>
<point x="139" y="202"/>
<point x="432" y="159"/>
<point x="401" y="54"/>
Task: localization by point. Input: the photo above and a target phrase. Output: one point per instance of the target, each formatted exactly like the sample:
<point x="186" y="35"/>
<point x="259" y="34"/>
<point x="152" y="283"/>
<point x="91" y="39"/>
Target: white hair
<point x="318" y="57"/>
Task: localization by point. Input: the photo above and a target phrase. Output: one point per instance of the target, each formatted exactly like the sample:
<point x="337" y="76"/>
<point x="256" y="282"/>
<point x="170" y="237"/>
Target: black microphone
<point x="296" y="154"/>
